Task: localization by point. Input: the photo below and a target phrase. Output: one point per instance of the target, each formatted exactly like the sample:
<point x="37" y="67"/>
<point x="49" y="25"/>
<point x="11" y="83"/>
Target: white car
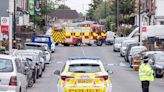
<point x="12" y="78"/>
<point x="124" y="45"/>
<point x="39" y="46"/>
<point x="117" y="43"/>
<point x="134" y="52"/>
<point x="36" y="59"/>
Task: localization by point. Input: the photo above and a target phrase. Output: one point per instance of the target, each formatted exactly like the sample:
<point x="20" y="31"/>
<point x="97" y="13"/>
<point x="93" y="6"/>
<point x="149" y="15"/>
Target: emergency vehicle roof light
<point x="79" y="58"/>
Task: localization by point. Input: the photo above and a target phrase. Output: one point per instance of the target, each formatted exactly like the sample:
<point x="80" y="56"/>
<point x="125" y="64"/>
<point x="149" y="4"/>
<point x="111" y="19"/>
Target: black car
<point x="128" y="50"/>
<point x="157" y="62"/>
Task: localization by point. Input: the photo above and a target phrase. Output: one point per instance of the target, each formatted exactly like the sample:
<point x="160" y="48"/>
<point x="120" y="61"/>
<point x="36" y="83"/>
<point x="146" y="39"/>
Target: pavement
<point x="124" y="79"/>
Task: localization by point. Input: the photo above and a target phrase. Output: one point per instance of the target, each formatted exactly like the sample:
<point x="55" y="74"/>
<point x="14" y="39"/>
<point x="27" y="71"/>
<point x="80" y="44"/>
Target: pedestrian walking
<point x="146" y="74"/>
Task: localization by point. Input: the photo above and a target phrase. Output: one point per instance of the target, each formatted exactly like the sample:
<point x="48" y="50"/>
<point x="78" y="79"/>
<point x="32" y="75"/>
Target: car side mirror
<point x="25" y="70"/>
<point x="57" y="72"/>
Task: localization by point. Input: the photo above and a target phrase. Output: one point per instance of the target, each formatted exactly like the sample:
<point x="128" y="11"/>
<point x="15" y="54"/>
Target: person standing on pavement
<point x="146" y="74"/>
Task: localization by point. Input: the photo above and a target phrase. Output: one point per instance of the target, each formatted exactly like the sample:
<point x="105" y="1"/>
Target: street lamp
<point x="139" y="38"/>
<point x="117" y="14"/>
<point x="14" y="24"/>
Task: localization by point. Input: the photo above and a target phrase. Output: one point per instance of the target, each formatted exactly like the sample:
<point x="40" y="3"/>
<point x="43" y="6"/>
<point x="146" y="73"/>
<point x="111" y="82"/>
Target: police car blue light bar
<point x="81" y="58"/>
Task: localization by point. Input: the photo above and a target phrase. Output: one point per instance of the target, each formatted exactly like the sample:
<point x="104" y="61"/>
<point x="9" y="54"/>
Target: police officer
<point x="146" y="74"/>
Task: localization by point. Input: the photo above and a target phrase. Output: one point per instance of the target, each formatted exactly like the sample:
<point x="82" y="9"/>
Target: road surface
<point x="124" y="79"/>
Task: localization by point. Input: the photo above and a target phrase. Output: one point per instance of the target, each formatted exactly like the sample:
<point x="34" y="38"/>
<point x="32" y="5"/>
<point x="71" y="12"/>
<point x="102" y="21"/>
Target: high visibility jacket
<point x="146" y="73"/>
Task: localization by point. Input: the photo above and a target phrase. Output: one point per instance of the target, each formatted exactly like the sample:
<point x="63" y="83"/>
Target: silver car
<point x="117" y="43"/>
<point x="12" y="78"/>
<point x="124" y="45"/>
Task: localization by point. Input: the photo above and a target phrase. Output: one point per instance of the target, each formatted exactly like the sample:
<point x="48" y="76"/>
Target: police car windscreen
<point x="84" y="68"/>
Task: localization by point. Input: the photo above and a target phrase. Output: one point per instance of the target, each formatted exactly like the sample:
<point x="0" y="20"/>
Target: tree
<point x="62" y="6"/>
<point x="126" y="8"/>
<point x="92" y="8"/>
<point x="102" y="11"/>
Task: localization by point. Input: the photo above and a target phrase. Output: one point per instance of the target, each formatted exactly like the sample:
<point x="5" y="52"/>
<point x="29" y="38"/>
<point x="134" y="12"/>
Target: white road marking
<point x="83" y="52"/>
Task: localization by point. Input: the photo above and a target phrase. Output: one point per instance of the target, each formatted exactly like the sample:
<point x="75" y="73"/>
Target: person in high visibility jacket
<point x="146" y="74"/>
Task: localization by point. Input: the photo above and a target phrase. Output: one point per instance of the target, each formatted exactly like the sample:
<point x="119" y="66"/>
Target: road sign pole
<point x="10" y="33"/>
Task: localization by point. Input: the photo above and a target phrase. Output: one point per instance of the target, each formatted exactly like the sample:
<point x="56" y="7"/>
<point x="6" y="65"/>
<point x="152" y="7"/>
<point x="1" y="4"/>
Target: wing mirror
<point x="57" y="72"/>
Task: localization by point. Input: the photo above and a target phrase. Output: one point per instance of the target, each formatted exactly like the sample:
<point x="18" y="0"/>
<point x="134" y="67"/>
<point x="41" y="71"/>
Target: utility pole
<point x="140" y="33"/>
<point x="117" y="14"/>
<point x="14" y="25"/>
<point x="105" y="8"/>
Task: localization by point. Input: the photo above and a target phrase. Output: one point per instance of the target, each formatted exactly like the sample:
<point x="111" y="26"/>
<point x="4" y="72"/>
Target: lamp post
<point x="140" y="33"/>
<point x="14" y="24"/>
<point x="105" y="8"/>
<point x="117" y="14"/>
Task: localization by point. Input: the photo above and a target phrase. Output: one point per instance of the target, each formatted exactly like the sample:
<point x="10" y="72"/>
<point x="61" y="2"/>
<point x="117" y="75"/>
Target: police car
<point x="84" y="74"/>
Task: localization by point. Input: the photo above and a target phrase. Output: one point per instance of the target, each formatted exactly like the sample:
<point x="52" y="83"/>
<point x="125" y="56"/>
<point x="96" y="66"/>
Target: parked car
<point x="128" y="50"/>
<point x="36" y="59"/>
<point x="117" y="43"/>
<point x="41" y="54"/>
<point x="28" y="71"/>
<point x="124" y="45"/>
<point x="134" y="52"/>
<point x="158" y="64"/>
<point x="110" y="38"/>
<point x="39" y="46"/>
<point x="12" y="78"/>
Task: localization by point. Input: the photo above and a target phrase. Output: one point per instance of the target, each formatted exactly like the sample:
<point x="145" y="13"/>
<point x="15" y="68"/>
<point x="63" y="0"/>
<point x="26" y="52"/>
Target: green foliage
<point x="110" y="23"/>
<point x="93" y="7"/>
<point x="102" y="11"/>
<point x="62" y="6"/>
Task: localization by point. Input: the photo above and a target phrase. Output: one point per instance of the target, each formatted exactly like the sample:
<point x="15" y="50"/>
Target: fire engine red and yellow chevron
<point x="58" y="35"/>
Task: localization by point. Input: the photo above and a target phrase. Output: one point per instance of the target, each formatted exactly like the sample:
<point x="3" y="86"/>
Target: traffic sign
<point x="144" y="29"/>
<point x="4" y="29"/>
<point x="5" y="21"/>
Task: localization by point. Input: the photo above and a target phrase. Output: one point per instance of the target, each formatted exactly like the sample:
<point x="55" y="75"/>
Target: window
<point x="19" y="65"/>
<point x="84" y="68"/>
<point x="6" y="65"/>
<point x="41" y="39"/>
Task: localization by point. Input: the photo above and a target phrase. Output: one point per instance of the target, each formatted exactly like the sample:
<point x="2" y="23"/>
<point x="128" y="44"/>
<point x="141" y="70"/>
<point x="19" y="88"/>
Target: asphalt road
<point x="124" y="79"/>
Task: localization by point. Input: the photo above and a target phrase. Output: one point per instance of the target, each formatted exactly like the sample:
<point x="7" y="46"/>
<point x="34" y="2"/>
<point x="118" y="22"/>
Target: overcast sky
<point x="79" y="5"/>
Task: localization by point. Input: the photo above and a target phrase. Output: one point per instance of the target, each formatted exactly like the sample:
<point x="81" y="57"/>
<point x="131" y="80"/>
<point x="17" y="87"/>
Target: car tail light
<point x="13" y="81"/>
<point x="105" y="77"/>
<point x="66" y="77"/>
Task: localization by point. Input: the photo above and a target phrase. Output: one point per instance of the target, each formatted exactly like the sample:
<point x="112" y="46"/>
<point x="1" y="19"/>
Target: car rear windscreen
<point x="33" y="46"/>
<point x="84" y="68"/>
<point x="6" y="65"/>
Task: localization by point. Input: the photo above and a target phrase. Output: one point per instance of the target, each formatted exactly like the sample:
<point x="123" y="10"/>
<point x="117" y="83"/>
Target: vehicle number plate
<point x="84" y="81"/>
<point x="84" y="90"/>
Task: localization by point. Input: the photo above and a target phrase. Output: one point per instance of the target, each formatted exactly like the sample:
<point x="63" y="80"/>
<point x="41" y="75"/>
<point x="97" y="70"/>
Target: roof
<point x="33" y="43"/>
<point x="6" y="56"/>
<point x="152" y="52"/>
<point x="66" y="14"/>
<point x="26" y="51"/>
<point x="82" y="60"/>
<point x="135" y="47"/>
